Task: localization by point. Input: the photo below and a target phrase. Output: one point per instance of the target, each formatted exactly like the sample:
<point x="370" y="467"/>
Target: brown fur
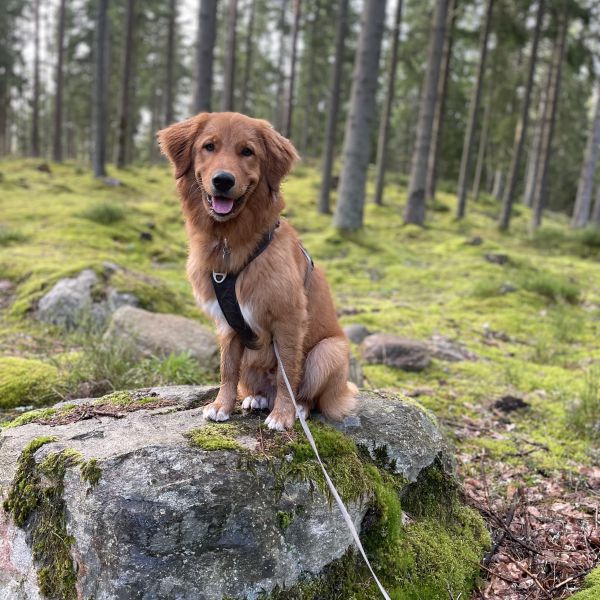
<point x="312" y="344"/>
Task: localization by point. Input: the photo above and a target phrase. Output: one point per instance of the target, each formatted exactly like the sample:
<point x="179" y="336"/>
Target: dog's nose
<point x="223" y="181"/>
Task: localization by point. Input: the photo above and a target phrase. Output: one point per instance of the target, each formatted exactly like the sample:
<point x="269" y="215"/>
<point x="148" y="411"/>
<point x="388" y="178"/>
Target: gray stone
<point x="355" y="372"/>
<point x="168" y="521"/>
<point x="161" y="334"/>
<point x="356" y="333"/>
<point x="396" y="351"/>
<point x="449" y="350"/>
<point x="71" y="302"/>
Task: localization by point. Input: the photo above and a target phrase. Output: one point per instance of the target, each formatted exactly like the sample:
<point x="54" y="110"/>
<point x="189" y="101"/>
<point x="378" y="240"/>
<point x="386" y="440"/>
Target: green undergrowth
<point x="591" y="587"/>
<point x="27" y="381"/>
<point x="35" y="501"/>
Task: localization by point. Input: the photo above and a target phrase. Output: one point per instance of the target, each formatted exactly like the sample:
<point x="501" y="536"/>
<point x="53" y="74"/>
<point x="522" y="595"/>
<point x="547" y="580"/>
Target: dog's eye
<point x="247" y="151"/>
<point x="210" y="147"/>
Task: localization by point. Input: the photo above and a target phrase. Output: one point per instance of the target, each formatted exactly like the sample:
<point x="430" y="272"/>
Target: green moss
<point x="23" y="494"/>
<point x="91" y="472"/>
<point x="215" y="437"/>
<point x="104" y="213"/>
<point x="36" y="494"/>
<point x="27" y="381"/>
<point x="285" y="518"/>
<point x="40" y="414"/>
<point x="591" y="587"/>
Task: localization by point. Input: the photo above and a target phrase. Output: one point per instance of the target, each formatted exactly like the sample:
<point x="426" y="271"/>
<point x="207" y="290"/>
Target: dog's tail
<point x="325" y="384"/>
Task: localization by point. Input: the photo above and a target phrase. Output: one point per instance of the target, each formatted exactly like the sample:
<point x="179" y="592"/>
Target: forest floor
<point x="523" y="411"/>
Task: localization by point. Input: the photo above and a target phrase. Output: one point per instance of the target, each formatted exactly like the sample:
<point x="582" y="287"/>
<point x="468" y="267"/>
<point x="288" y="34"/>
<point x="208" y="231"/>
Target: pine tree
<point x="205" y="45"/>
<point x="57" y="146"/>
<point x="100" y="92"/>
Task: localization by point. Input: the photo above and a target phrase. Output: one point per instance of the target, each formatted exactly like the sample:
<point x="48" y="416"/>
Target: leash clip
<point x="219" y="277"/>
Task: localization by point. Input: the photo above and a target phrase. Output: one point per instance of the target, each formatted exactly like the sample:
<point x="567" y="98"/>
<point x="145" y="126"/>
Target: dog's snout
<point x="223" y="181"/>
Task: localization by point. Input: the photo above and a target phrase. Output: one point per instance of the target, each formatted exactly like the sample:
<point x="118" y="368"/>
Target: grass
<point x="585" y="415"/>
<point x="104" y="213"/>
<point x="10" y="236"/>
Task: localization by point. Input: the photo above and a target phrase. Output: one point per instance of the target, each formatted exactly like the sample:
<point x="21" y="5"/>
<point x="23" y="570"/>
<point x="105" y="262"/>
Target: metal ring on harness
<point x="219" y="277"/>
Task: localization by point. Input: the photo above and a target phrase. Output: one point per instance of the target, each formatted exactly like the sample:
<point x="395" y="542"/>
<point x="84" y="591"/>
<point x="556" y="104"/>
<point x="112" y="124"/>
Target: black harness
<point x="224" y="286"/>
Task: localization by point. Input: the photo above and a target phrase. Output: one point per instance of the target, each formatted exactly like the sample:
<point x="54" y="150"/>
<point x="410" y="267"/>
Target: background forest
<point x="448" y="184"/>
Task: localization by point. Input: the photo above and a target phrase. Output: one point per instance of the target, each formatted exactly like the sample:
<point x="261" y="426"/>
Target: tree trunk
<point x="465" y="162"/>
<point x="100" y="91"/>
<point x="384" y="125"/>
<point x="334" y="104"/>
<point x="415" y="207"/>
<point x="521" y="130"/>
<point x="349" y="209"/>
<point x="483" y="142"/>
<point x="309" y="81"/>
<point x="540" y="189"/>
<point x="248" y="63"/>
<point x="229" y="69"/>
<point x="170" y="63"/>
<point x="57" y="150"/>
<point x="278" y="113"/>
<point x="440" y="105"/>
<point x="123" y="139"/>
<point x="583" y="202"/>
<point x="596" y="213"/>
<point x="205" y="45"/>
<point x="287" y="122"/>
<point x="35" y="101"/>
<point x="498" y="184"/>
<point x="534" y="150"/>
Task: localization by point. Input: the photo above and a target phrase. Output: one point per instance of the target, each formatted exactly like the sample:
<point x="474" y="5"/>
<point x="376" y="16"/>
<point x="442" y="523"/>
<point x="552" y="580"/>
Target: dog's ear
<point x="176" y="142"/>
<point x="280" y="155"/>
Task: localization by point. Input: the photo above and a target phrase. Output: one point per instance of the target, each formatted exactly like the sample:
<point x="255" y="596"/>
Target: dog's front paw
<point x="255" y="403"/>
<point x="280" y="420"/>
<point x="216" y="411"/>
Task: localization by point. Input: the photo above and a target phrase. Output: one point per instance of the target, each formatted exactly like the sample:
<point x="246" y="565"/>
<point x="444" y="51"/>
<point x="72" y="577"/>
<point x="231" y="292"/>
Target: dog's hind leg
<point x="325" y="383"/>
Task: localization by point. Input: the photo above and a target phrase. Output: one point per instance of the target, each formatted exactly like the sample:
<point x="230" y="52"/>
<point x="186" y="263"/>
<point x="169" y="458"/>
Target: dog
<point x="228" y="169"/>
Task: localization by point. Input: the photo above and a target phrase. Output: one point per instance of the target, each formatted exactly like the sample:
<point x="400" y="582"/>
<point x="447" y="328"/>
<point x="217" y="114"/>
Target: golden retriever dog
<point x="228" y="169"/>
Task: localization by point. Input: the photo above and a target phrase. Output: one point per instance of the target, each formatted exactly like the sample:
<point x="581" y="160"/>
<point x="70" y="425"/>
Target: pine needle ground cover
<point x="527" y="307"/>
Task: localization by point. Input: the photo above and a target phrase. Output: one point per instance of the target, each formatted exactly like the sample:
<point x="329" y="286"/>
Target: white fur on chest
<point x="213" y="310"/>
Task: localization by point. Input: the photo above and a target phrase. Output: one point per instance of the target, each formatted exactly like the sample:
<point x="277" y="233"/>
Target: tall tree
<point x="57" y="148"/>
<point x="465" y="163"/>
<point x="355" y="155"/>
<point x="549" y="121"/>
<point x="384" y="124"/>
<point x="596" y="212"/>
<point x="483" y="143"/>
<point x="521" y="129"/>
<point x="229" y="68"/>
<point x="440" y="105"/>
<point x="248" y="57"/>
<point x="124" y="133"/>
<point x="534" y="150"/>
<point x="334" y="104"/>
<point x="278" y="112"/>
<point x="99" y="99"/>
<point x="287" y="122"/>
<point x="170" y="63"/>
<point x="205" y="46"/>
<point x="35" y="101"/>
<point x="415" y="207"/>
<point x="583" y="202"/>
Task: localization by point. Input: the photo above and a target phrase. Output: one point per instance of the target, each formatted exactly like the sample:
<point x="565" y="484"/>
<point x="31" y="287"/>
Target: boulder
<point x="161" y="334"/>
<point x="150" y="510"/>
<point x="73" y="301"/>
<point x="449" y="350"/>
<point x="355" y="372"/>
<point x="396" y="351"/>
<point x="356" y="333"/>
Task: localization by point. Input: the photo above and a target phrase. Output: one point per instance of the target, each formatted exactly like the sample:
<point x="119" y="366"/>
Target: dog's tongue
<point x="222" y="205"/>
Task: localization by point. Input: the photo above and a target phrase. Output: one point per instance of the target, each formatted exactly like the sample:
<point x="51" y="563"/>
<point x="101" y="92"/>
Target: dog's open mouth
<point x="221" y="205"/>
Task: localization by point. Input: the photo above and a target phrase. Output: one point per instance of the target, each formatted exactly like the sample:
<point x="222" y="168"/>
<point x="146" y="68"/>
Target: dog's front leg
<point x="231" y="359"/>
<point x="289" y="343"/>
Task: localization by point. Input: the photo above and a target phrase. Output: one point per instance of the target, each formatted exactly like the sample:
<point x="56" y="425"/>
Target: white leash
<point x="339" y="501"/>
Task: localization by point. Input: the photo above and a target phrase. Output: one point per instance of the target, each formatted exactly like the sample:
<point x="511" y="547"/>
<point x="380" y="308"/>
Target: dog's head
<point x="229" y="156"/>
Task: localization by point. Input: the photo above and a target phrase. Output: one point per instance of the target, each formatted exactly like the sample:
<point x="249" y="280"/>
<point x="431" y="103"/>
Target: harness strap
<point x="224" y="287"/>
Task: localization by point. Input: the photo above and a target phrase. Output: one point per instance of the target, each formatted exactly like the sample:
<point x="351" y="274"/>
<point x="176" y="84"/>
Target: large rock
<point x="161" y="334"/>
<point x="396" y="351"/>
<point x="75" y="300"/>
<point x="170" y="521"/>
<point x="356" y="332"/>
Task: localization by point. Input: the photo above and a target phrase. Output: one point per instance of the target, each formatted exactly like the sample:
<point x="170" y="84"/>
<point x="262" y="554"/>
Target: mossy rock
<point x="25" y="381"/>
<point x="591" y="587"/>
